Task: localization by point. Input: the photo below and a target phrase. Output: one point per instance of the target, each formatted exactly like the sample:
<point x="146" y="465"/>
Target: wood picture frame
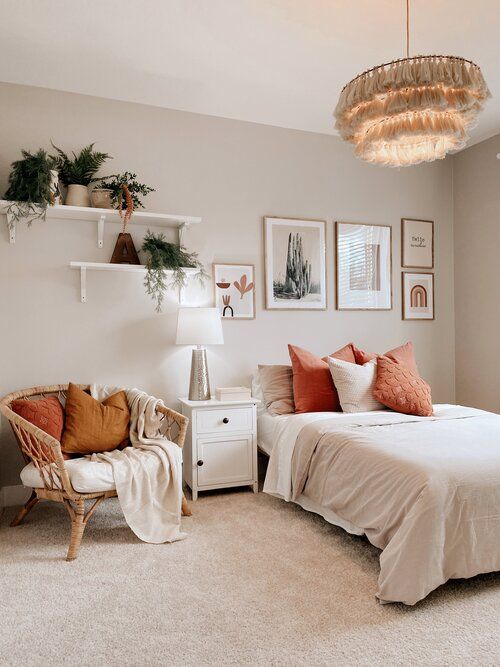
<point x="384" y="269"/>
<point x="410" y="312"/>
<point x="422" y="234"/>
<point x="307" y="238"/>
<point x="239" y="281"/>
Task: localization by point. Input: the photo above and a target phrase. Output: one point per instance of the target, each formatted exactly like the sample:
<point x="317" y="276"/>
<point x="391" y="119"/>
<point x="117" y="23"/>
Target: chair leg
<point x="77" y="527"/>
<point x="186" y="510"/>
<point x="25" y="510"/>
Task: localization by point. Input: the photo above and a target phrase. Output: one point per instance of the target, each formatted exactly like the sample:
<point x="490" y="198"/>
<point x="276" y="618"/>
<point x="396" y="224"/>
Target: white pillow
<point x="354" y="384"/>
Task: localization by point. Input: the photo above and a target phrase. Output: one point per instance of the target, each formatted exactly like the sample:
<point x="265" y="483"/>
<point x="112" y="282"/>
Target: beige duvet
<point x="424" y="490"/>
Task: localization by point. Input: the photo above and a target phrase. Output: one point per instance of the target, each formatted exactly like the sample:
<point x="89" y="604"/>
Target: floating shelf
<point x="98" y="266"/>
<point x="102" y="215"/>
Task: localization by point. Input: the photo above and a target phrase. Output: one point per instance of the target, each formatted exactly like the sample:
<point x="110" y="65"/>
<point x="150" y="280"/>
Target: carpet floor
<point x="258" y="582"/>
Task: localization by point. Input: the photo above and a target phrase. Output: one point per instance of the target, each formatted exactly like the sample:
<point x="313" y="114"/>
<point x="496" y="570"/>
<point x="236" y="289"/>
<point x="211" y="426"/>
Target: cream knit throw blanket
<point x="148" y="475"/>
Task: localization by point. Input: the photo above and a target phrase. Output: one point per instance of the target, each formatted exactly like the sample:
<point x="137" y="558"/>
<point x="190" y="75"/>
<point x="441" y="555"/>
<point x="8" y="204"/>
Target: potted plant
<point x="33" y="185"/>
<point x="114" y="185"/>
<point x="77" y="172"/>
<point x="163" y="256"/>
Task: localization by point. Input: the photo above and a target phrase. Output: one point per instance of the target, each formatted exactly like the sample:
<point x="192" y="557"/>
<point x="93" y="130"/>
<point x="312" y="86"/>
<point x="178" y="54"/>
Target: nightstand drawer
<point x="224" y="420"/>
<point x="225" y="460"/>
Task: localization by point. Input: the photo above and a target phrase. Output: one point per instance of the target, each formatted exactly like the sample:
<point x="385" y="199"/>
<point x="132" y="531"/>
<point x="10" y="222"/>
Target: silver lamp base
<point x="199" y="385"/>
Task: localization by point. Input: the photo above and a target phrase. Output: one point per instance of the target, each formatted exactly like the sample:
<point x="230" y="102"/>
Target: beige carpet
<point x="257" y="582"/>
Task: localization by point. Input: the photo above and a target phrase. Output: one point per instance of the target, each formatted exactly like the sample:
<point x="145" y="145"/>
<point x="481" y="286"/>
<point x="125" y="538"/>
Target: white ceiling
<point x="280" y="62"/>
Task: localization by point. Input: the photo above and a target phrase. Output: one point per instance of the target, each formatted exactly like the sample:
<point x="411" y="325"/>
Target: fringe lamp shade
<point x="411" y="110"/>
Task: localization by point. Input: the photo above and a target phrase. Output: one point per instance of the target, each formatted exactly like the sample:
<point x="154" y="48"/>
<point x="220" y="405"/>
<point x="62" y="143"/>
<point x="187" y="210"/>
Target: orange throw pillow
<point x="46" y="413"/>
<point x="402" y="354"/>
<point x="402" y="390"/>
<point x="92" y="426"/>
<point x="313" y="388"/>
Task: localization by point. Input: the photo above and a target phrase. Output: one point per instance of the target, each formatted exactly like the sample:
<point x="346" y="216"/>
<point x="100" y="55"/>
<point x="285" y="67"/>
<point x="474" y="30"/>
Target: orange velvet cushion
<point x="46" y="413"/>
<point x="402" y="390"/>
<point x="402" y="354"/>
<point x="313" y="388"/>
<point x="92" y="426"/>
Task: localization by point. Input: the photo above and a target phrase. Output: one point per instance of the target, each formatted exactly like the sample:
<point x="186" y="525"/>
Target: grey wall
<point x="477" y="283"/>
<point x="232" y="174"/>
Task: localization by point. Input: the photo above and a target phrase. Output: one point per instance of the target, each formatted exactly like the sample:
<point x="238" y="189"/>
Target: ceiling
<point x="279" y="62"/>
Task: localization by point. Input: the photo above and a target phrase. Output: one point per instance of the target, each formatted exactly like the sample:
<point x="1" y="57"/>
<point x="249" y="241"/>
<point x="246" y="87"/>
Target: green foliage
<point x="162" y="257"/>
<point x="79" y="169"/>
<point x="29" y="186"/>
<point x="115" y="182"/>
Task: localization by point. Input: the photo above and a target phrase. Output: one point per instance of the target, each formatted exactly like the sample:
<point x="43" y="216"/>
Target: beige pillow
<point x="355" y="384"/>
<point x="277" y="387"/>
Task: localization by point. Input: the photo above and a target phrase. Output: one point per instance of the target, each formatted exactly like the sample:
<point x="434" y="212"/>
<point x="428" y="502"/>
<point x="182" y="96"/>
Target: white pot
<point x="55" y="193"/>
<point x="78" y="195"/>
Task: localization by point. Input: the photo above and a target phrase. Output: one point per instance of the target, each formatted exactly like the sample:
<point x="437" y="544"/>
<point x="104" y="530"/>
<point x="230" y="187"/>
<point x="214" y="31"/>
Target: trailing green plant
<point x="162" y="257"/>
<point x="29" y="188"/>
<point x="79" y="169"/>
<point x="115" y="183"/>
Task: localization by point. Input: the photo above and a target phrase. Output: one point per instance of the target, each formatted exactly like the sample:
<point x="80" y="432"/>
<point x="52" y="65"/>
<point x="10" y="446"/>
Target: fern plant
<point x="79" y="169"/>
<point x="115" y="183"/>
<point x="30" y="187"/>
<point x="162" y="257"/>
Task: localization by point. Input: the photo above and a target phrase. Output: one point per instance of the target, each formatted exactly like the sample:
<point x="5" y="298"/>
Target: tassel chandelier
<point x="415" y="109"/>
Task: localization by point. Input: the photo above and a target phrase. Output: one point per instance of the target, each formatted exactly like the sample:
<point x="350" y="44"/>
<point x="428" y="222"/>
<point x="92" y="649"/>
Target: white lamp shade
<point x="199" y="326"/>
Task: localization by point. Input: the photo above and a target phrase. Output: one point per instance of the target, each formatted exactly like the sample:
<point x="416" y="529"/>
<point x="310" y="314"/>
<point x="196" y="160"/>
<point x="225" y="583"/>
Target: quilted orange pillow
<point x="401" y="389"/>
<point x="402" y="354"/>
<point x="313" y="388"/>
<point x="92" y="426"/>
<point x="46" y="413"/>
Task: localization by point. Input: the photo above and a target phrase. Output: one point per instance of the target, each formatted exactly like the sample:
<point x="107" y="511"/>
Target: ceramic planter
<point x="55" y="193"/>
<point x="101" y="198"/>
<point x="78" y="195"/>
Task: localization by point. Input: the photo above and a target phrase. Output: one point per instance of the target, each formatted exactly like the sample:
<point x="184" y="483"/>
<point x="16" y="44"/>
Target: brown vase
<point x="125" y="252"/>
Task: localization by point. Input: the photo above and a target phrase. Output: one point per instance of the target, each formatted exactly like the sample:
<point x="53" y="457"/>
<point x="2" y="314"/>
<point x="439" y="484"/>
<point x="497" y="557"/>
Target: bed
<point x="425" y="490"/>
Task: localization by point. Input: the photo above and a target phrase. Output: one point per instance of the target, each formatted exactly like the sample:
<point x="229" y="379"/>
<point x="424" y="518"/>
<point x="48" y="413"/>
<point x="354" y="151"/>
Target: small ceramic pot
<point x="55" y="193"/>
<point x="101" y="198"/>
<point x="77" y="195"/>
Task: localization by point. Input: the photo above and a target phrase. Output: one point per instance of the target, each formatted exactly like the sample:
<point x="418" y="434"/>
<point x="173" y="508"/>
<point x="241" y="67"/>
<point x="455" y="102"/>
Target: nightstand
<point x="220" y="449"/>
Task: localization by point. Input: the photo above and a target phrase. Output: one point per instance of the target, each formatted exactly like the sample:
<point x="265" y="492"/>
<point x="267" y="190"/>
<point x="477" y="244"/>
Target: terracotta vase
<point x="101" y="198"/>
<point x="77" y="195"/>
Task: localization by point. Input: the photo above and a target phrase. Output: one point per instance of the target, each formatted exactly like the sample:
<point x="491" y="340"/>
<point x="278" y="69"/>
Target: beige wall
<point x="231" y="173"/>
<point x="477" y="283"/>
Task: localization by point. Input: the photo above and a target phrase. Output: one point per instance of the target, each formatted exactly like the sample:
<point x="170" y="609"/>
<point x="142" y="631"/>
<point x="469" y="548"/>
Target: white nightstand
<point x="220" y="449"/>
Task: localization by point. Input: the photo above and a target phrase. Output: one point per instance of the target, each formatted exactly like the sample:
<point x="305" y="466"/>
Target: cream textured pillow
<point x="355" y="384"/>
<point x="277" y="387"/>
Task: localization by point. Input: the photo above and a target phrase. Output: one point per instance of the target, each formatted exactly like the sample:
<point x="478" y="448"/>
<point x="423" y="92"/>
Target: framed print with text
<point x="417" y="244"/>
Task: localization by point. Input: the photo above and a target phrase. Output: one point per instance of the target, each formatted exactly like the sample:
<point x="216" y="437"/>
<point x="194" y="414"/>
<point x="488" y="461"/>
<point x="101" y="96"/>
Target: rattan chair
<point x="44" y="452"/>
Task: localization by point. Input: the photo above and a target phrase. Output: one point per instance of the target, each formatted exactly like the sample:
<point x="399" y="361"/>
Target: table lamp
<point x="200" y="327"/>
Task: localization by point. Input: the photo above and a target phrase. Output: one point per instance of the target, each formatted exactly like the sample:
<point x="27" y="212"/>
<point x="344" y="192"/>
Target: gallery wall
<point x="477" y="244"/>
<point x="232" y="174"/>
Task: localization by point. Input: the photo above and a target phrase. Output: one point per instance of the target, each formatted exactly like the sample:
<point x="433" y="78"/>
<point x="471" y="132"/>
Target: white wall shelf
<point x="101" y="215"/>
<point x="98" y="266"/>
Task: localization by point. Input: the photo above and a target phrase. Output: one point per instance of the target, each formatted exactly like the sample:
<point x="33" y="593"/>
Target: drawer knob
<point x="199" y="463"/>
<point x="225" y="420"/>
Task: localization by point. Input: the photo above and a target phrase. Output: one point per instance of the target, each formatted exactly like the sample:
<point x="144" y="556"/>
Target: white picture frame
<point x="417" y="243"/>
<point x="295" y="264"/>
<point x="363" y="261"/>
<point x="418" y="296"/>
<point x="234" y="290"/>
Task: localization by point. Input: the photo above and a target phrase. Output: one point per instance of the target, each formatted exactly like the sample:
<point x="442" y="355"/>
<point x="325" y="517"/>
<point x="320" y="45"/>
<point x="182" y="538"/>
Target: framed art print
<point x="295" y="263"/>
<point x="234" y="286"/>
<point x="363" y="266"/>
<point x="417" y="244"/>
<point x="418" y="296"/>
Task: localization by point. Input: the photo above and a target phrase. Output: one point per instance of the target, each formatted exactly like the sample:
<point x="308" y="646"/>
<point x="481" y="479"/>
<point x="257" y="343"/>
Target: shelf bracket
<point x="11" y="224"/>
<point x="184" y="226"/>
<point x="100" y="231"/>
<point x="83" y="284"/>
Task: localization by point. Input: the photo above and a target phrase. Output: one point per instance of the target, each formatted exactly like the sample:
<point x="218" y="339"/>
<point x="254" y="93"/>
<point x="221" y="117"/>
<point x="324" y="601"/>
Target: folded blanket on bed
<point x="148" y="475"/>
<point x="425" y="490"/>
